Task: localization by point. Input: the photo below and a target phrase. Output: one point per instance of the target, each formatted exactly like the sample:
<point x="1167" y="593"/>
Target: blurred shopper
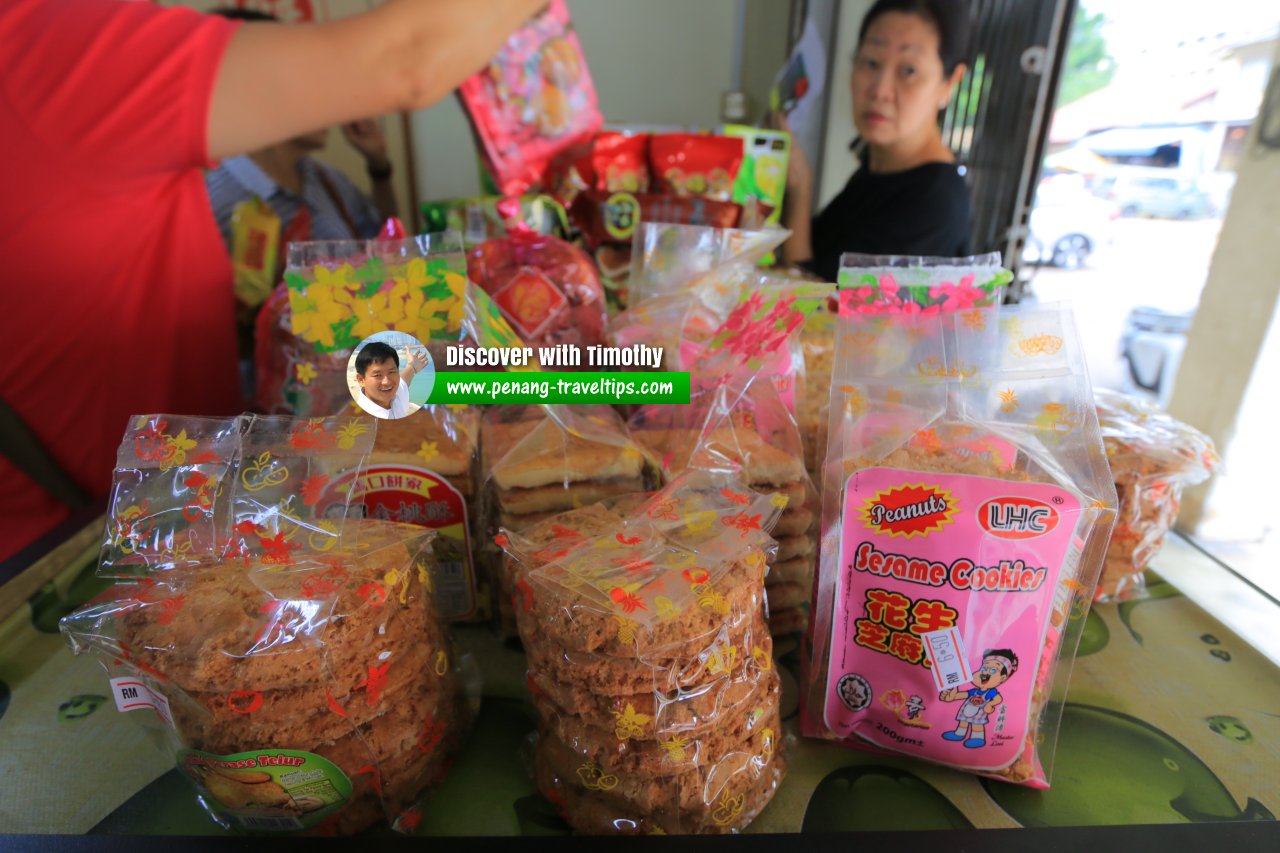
<point x="290" y="181"/>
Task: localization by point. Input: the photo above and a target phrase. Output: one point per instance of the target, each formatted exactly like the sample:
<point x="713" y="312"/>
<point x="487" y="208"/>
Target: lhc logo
<point x="1017" y="517"/>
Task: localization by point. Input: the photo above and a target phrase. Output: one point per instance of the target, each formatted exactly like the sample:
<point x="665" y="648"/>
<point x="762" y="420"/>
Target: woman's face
<point x="898" y="80"/>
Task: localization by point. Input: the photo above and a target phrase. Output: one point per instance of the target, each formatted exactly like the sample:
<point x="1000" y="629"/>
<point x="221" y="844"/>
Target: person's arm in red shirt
<point x="276" y="83"/>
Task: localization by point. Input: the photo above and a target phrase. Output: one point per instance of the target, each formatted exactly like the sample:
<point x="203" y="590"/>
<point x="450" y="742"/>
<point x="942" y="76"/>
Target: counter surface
<point x="1171" y="717"/>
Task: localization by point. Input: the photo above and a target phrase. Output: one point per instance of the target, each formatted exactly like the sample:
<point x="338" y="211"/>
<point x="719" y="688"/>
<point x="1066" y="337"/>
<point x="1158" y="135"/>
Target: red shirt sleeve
<point x="120" y="88"/>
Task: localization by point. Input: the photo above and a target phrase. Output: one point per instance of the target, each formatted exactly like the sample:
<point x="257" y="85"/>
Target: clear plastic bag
<point x="288" y="656"/>
<point x="966" y="507"/>
<point x="1153" y="457"/>
<point x="649" y="660"/>
<point x="669" y="258"/>
<point x="423" y="467"/>
<point x="542" y="460"/>
<point x="337" y="293"/>
<point x="746" y="371"/>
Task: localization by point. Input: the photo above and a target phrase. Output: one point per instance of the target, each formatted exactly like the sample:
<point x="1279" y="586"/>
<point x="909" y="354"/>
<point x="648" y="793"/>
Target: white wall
<point x="653" y="62"/>
<point x="838" y="163"/>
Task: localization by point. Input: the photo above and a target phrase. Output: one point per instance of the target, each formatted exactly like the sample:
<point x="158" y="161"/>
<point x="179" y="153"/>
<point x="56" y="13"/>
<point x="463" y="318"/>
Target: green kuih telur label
<point x="269" y="789"/>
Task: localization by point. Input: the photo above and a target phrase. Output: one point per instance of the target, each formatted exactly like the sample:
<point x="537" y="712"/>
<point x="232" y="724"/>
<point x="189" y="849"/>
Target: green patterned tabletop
<point x="1171" y="717"/>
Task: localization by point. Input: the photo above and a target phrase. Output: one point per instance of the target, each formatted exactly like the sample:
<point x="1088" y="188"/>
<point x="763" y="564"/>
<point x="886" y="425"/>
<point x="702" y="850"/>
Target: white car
<point x="1068" y="224"/>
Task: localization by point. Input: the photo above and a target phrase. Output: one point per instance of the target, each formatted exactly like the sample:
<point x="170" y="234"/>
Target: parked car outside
<point x="1164" y="196"/>
<point x="1067" y="224"/>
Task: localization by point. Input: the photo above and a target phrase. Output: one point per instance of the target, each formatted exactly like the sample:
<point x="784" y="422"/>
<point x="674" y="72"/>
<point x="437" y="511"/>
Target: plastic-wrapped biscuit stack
<point x="817" y="341"/>
<point x="766" y="468"/>
<point x="292" y="657"/>
<point x="650" y="661"/>
<point x="343" y="659"/>
<point x="539" y="461"/>
<point x="423" y="471"/>
<point x="1153" y="457"/>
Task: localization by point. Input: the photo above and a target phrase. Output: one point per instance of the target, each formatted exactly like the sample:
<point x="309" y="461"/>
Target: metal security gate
<point x="998" y="119"/>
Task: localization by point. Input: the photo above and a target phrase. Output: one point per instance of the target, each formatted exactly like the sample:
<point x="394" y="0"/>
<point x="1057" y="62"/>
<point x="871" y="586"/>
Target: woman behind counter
<point x="907" y="196"/>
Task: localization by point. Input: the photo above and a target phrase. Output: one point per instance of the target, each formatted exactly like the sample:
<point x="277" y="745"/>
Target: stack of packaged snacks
<point x="423" y="468"/>
<point x="818" y="344"/>
<point x="966" y="507"/>
<point x="1153" y="457"/>
<point x="736" y="444"/>
<point x="539" y="461"/>
<point x="534" y="100"/>
<point x="649" y="661"/>
<point x="290" y="657"/>
<point x="736" y="332"/>
<point x="619" y="182"/>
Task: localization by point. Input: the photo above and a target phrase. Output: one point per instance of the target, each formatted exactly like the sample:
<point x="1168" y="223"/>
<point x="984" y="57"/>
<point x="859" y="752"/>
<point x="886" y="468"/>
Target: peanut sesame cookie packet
<point x="967" y="504"/>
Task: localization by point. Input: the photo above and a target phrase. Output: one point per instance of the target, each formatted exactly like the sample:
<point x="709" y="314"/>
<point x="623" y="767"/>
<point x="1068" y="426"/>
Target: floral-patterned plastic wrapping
<point x="423" y="470"/>
<point x="740" y="419"/>
<point x="539" y="461"/>
<point x="547" y="288"/>
<point x="1153" y="457"/>
<point x="423" y="467"/>
<point x="818" y="348"/>
<point x="534" y="100"/>
<point x="966" y="509"/>
<point x="649" y="659"/>
<point x="337" y="293"/>
<point x="703" y="300"/>
<point x="290" y="658"/>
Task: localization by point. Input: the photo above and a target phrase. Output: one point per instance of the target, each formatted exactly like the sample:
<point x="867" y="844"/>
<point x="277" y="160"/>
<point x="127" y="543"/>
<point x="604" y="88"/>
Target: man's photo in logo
<point x="855" y="691"/>
<point x="390" y="374"/>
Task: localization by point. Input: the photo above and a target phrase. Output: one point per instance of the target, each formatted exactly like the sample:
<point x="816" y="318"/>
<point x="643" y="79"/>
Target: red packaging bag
<point x="687" y="164"/>
<point x="621" y="162"/>
<point x="547" y="288"/>
<point x="534" y="100"/>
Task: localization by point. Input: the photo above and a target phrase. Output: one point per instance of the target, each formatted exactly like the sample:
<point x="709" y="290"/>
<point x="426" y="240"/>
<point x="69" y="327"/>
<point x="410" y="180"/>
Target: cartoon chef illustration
<point x="981" y="699"/>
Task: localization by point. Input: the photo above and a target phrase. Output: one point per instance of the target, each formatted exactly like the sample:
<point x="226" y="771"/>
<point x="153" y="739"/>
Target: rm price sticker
<point x="132" y="694"/>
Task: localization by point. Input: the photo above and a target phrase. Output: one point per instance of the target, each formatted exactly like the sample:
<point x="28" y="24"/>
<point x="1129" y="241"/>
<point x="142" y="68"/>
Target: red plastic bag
<point x="621" y="162"/>
<point x="534" y="100"/>
<point x="547" y="288"/>
<point x="687" y="164"/>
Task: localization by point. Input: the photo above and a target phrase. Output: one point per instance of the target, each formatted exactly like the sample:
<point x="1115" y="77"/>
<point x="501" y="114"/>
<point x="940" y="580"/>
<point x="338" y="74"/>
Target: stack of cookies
<point x="423" y="471"/>
<point x="538" y="465"/>
<point x="650" y="662"/>
<point x="817" y="341"/>
<point x="340" y="657"/>
<point x="763" y="465"/>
